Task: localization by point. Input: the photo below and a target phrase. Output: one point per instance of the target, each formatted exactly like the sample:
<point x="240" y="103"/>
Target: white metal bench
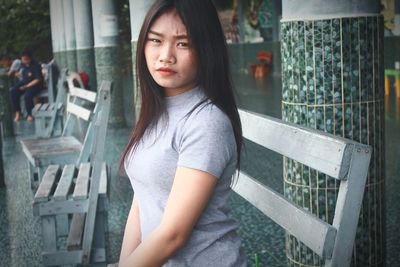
<point x="337" y="157"/>
<point x="72" y="202"/>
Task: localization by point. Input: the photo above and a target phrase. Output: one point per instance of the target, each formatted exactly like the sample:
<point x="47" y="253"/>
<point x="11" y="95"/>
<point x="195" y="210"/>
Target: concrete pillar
<point x="54" y="30"/>
<point x="332" y="80"/>
<point x="105" y="28"/>
<point x="57" y="32"/>
<point x="241" y="18"/>
<point x="70" y="41"/>
<point x="138" y="10"/>
<point x="84" y="40"/>
<point x="396" y="30"/>
<point x="277" y="16"/>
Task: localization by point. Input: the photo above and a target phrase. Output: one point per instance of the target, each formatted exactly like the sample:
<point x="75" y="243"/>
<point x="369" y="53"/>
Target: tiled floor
<point x="19" y="229"/>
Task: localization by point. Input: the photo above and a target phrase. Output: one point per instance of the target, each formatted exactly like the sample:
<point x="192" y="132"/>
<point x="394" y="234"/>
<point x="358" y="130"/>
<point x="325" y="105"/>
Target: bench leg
<point x="40" y="127"/>
<point x="33" y="177"/>
<point x="58" y="125"/>
<point x="99" y="240"/>
<point x="62" y="225"/>
<point x="49" y="233"/>
<point x="100" y="229"/>
<point x="39" y="173"/>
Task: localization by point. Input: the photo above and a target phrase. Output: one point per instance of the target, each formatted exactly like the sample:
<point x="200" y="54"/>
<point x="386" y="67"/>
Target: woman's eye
<point x="183" y="44"/>
<point x="154" y="40"/>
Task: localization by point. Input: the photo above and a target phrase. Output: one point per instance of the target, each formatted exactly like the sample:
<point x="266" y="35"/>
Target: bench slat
<point x="44" y="107"/>
<point x="35" y="148"/>
<point x="79" y="111"/>
<point x="84" y="94"/>
<point x="321" y="151"/>
<point x="65" y="182"/>
<point x="313" y="232"/>
<point x="36" y="108"/>
<point x="47" y="184"/>
<point x="74" y="240"/>
<point x="82" y="182"/>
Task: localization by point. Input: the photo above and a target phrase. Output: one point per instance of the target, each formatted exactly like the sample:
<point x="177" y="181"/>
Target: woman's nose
<point x="167" y="54"/>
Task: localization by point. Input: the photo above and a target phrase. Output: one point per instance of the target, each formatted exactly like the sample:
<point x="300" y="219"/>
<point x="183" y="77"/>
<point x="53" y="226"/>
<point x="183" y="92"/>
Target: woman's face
<point x="169" y="55"/>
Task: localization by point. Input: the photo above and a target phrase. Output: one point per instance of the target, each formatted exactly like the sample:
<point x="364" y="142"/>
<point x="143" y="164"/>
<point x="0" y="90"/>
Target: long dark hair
<point x="208" y="41"/>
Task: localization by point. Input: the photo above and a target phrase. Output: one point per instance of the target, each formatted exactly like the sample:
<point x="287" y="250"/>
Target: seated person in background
<point x="30" y="84"/>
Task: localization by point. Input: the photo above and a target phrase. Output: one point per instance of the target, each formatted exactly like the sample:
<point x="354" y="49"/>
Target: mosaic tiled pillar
<point x="70" y="40"/>
<point x="105" y="29"/>
<point x="332" y="80"/>
<point x="138" y="10"/>
<point x="84" y="40"/>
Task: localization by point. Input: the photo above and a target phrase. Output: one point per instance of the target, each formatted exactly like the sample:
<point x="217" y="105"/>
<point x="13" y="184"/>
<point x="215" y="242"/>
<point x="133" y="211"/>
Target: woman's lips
<point x="166" y="71"/>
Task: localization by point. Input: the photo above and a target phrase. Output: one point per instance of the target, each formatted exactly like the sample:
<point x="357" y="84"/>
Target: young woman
<point x="183" y="152"/>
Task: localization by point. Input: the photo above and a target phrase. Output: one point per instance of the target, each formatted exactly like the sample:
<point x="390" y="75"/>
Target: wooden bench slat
<point x="65" y="183"/>
<point x="321" y="151"/>
<point x="44" y="107"/>
<point x="57" y="145"/>
<point x="79" y="111"/>
<point x="74" y="240"/>
<point x="36" y="108"/>
<point x="82" y="182"/>
<point x="313" y="232"/>
<point x="51" y="106"/>
<point x="47" y="184"/>
<point x="44" y="113"/>
<point x="84" y="94"/>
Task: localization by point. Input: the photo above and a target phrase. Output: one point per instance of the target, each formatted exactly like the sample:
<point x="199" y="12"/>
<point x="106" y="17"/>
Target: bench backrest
<point x="99" y="127"/>
<point x="53" y="74"/>
<point x="337" y="157"/>
<point x="82" y="105"/>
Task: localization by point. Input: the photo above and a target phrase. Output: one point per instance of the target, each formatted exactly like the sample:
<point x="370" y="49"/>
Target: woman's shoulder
<point x="210" y="115"/>
<point x="208" y="111"/>
<point x="207" y="123"/>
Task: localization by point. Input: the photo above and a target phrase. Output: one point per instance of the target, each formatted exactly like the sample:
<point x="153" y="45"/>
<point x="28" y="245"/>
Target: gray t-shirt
<point x="203" y="140"/>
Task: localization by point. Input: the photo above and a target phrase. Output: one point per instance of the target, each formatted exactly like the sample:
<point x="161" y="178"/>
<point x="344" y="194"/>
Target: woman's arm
<point x="132" y="234"/>
<point x="189" y="196"/>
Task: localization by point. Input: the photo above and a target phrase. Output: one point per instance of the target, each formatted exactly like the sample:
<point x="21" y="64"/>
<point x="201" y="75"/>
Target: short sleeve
<point x="207" y="141"/>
